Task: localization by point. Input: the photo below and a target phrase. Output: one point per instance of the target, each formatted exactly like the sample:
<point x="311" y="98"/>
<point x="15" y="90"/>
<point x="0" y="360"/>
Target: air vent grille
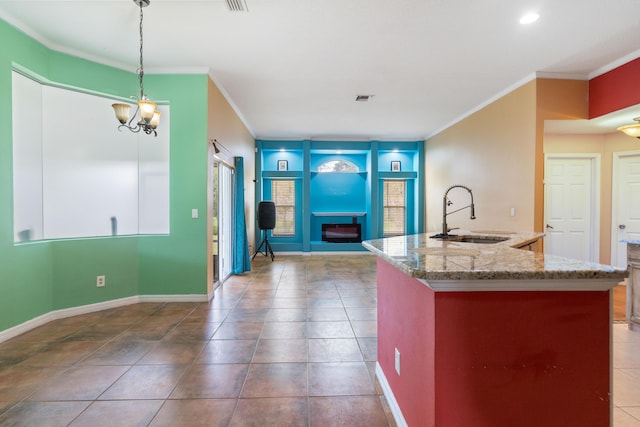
<point x="237" y="5"/>
<point x="363" y="98"/>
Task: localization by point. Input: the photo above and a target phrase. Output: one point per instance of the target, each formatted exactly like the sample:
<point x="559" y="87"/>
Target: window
<point x="338" y="166"/>
<point x="283" y="194"/>
<point x="92" y="181"/>
<point x="395" y="204"/>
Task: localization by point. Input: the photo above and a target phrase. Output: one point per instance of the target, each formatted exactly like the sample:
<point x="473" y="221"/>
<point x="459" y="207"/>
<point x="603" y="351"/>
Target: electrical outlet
<point x="397" y="361"/>
<point x="101" y="281"/>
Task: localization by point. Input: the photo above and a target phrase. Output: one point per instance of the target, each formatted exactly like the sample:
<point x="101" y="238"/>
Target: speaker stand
<point x="267" y="246"/>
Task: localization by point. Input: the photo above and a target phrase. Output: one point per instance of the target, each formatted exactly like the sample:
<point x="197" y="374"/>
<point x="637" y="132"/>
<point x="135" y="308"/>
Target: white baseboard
<point x="173" y="298"/>
<point x="391" y="400"/>
<point x="90" y="308"/>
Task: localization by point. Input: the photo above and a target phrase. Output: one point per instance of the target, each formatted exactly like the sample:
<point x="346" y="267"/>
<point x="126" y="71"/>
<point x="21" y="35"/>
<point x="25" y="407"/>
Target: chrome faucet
<point x="446" y="202"/>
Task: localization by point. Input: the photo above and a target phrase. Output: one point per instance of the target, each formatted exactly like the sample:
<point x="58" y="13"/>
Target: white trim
<point x="174" y="298"/>
<point x="594" y="227"/>
<point x="391" y="400"/>
<point x="90" y="308"/>
<point x="584" y="284"/>
<point x="615" y="187"/>
<point x="176" y="70"/>
<point x="561" y="76"/>
<point x="615" y="64"/>
<point x="233" y="105"/>
<point x="480" y="106"/>
<point x="508" y="90"/>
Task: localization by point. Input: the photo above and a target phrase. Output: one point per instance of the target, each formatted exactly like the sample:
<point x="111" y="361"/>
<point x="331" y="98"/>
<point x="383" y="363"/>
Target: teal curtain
<point x="241" y="256"/>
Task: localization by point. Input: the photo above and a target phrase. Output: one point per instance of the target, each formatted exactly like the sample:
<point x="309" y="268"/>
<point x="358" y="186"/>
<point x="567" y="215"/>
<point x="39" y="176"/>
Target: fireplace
<point x="342" y="233"/>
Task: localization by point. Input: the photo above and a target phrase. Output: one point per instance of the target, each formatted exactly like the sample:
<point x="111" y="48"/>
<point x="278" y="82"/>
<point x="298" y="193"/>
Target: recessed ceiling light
<point x="529" y="18"/>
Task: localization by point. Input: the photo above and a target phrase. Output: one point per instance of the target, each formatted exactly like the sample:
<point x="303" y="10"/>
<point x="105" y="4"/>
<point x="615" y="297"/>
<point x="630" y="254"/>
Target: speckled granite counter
<point x="434" y="260"/>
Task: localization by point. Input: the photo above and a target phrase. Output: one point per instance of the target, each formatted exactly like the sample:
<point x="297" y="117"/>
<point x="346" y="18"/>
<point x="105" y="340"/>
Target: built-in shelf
<point x="282" y="174"/>
<point x="338" y="213"/>
<point x="397" y="175"/>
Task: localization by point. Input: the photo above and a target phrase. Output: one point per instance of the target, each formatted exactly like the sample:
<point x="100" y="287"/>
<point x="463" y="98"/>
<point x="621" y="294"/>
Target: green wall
<point x="38" y="277"/>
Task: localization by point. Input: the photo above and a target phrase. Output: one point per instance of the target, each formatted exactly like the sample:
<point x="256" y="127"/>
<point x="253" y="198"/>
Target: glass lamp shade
<point x="147" y="108"/>
<point x="631" y="130"/>
<point x="122" y="112"/>
<point x="155" y="120"/>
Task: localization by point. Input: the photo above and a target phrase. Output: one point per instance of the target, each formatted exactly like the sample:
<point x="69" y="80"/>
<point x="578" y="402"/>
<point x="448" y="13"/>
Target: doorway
<point x="220" y="208"/>
<point x="625" y="215"/>
<point x="571" y="205"/>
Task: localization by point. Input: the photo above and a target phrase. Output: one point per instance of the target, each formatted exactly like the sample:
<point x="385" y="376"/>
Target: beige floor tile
<point x="339" y="379"/>
<point x="228" y="351"/>
<point x="281" y="351"/>
<point x="118" y="413"/>
<point x="238" y="331"/>
<point x="80" y="383"/>
<point x="276" y="380"/>
<point x="334" y="350"/>
<point x="281" y="412"/>
<point x="195" y="413"/>
<point x="42" y="414"/>
<point x="329" y="330"/>
<point x="145" y="382"/>
<point x="211" y="382"/>
<point x="621" y="418"/>
<point x="119" y="353"/>
<point x="626" y="388"/>
<point x="352" y="411"/>
<point x="274" y="330"/>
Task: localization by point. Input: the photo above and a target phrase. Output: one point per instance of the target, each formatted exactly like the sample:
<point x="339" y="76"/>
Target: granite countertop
<point x="436" y="260"/>
<point x="631" y="241"/>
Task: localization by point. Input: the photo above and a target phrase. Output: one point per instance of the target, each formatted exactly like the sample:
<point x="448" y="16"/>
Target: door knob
<point x="622" y="226"/>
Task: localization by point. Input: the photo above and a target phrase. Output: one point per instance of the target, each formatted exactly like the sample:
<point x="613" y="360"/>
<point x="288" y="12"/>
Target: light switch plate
<point x="194" y="213"/>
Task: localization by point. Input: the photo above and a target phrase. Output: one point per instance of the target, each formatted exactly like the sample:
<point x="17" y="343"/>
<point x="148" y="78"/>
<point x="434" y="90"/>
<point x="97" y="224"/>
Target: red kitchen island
<point x="486" y="334"/>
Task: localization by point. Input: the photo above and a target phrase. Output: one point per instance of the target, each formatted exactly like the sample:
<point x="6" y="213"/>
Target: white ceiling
<point x="292" y="68"/>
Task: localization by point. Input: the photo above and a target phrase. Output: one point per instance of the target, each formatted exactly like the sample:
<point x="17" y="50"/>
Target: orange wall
<point x="498" y="152"/>
<point x="556" y="100"/>
<point x="225" y="126"/>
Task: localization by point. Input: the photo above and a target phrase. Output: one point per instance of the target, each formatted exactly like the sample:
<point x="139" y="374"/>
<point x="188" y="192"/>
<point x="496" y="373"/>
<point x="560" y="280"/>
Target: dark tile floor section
<point x="292" y="343"/>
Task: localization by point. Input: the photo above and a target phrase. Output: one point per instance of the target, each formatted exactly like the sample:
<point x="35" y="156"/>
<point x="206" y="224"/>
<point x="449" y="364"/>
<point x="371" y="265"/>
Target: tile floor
<point x="293" y="343"/>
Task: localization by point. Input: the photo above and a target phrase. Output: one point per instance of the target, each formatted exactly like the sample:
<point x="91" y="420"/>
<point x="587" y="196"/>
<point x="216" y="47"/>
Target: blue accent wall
<point x="348" y="196"/>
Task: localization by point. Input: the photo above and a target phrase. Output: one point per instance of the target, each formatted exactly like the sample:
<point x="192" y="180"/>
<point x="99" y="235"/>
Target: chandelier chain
<point x="141" y="71"/>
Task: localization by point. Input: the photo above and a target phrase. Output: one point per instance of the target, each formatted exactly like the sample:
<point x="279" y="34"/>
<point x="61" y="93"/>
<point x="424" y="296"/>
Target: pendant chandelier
<point x="149" y="116"/>
<point x="632" y="130"/>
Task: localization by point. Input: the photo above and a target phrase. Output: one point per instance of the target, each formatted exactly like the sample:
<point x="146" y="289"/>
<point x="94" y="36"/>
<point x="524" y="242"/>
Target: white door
<point x="625" y="218"/>
<point x="571" y="206"/>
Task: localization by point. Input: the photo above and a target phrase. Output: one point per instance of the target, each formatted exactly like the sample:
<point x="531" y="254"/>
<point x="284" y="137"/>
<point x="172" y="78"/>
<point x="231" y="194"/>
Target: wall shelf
<point x="397" y="175"/>
<point x="282" y="174"/>
<point x="338" y="213"/>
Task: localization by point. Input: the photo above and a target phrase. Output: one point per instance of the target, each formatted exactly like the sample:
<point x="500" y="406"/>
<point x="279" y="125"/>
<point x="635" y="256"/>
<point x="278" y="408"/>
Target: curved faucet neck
<point x="445" y="230"/>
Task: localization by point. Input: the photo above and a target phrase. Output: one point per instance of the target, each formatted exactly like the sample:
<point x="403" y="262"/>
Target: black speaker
<point x="266" y="215"/>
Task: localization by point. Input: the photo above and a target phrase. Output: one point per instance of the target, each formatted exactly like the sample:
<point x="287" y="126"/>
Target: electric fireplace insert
<point x="341" y="233"/>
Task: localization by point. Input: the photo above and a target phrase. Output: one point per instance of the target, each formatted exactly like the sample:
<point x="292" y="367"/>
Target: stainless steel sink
<point x="475" y="239"/>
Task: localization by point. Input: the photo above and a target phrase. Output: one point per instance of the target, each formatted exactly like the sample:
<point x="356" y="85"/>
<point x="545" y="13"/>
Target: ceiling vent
<point x="237" y="5"/>
<point x="363" y="98"/>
